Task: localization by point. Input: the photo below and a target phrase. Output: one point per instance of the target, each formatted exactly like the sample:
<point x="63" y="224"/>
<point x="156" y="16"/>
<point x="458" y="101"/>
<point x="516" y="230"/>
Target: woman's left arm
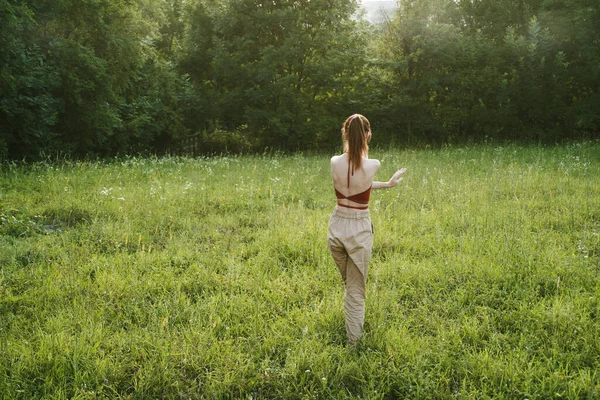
<point x="394" y="180"/>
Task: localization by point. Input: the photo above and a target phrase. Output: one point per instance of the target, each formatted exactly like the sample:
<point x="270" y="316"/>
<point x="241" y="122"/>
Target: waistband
<point x="350" y="213"/>
<point x="353" y="207"/>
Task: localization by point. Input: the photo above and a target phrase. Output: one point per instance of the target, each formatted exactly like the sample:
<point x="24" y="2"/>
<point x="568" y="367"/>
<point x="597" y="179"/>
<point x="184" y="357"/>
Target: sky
<point x="374" y="9"/>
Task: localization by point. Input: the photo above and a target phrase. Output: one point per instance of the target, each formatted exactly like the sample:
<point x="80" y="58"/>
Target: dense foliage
<point x="103" y="77"/>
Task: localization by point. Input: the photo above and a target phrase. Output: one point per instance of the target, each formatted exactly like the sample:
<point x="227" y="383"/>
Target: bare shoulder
<point x="336" y="159"/>
<point x="372" y="164"/>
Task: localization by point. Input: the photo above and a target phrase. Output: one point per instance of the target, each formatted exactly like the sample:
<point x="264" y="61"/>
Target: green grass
<point x="210" y="278"/>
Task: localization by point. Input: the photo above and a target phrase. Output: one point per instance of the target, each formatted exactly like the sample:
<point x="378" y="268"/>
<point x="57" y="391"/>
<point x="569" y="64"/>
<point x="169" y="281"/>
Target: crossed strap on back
<point x="360" y="198"/>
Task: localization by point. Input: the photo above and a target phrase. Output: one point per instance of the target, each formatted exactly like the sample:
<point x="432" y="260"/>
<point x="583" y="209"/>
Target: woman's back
<point x="352" y="184"/>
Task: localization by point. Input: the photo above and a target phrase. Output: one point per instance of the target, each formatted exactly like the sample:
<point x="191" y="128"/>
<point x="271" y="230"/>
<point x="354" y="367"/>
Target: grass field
<point x="210" y="278"/>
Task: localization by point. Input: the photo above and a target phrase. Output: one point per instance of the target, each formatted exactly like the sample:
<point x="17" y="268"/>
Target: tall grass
<point x="210" y="278"/>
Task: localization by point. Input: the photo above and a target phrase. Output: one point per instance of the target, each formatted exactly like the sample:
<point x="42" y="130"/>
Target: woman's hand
<point x="396" y="178"/>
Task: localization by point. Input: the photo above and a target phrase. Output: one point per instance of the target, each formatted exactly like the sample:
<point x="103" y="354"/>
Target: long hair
<point x="356" y="132"/>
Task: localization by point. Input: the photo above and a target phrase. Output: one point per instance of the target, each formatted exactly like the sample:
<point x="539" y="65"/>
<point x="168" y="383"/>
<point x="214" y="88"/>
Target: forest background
<point x="107" y="77"/>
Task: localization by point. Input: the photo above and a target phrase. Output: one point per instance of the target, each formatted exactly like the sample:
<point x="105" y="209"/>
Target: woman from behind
<point x="350" y="234"/>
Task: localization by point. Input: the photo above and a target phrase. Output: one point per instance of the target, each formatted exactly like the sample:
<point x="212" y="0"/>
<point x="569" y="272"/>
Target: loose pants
<point x="350" y="241"/>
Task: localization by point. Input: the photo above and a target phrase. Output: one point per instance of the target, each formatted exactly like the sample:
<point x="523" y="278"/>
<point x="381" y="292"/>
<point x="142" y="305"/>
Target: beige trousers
<point x="350" y="241"/>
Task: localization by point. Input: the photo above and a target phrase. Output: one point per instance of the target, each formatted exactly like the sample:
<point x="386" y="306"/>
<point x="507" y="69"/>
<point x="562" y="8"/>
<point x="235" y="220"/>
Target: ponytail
<point x="356" y="132"/>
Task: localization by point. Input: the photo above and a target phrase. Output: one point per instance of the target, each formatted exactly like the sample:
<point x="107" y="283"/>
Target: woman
<point x="350" y="236"/>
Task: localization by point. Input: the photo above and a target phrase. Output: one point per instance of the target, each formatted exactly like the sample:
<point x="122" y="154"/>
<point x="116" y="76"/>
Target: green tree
<point x="574" y="24"/>
<point x="281" y="68"/>
<point x="493" y="17"/>
<point x="445" y="71"/>
<point x="88" y="77"/>
<point x="28" y="112"/>
<point x="118" y="76"/>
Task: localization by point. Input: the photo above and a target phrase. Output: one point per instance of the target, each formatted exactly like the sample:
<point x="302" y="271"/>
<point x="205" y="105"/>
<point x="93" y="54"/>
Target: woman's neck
<point x="364" y="155"/>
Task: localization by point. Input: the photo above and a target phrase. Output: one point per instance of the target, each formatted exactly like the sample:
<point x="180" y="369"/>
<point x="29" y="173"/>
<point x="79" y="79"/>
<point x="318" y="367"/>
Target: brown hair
<point x="356" y="132"/>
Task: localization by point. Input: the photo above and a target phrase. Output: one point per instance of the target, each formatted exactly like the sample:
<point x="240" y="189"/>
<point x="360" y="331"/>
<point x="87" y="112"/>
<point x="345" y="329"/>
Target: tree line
<point x="106" y="77"/>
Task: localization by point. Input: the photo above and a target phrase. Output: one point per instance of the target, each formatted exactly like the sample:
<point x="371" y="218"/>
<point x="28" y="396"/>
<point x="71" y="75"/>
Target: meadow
<point x="210" y="278"/>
